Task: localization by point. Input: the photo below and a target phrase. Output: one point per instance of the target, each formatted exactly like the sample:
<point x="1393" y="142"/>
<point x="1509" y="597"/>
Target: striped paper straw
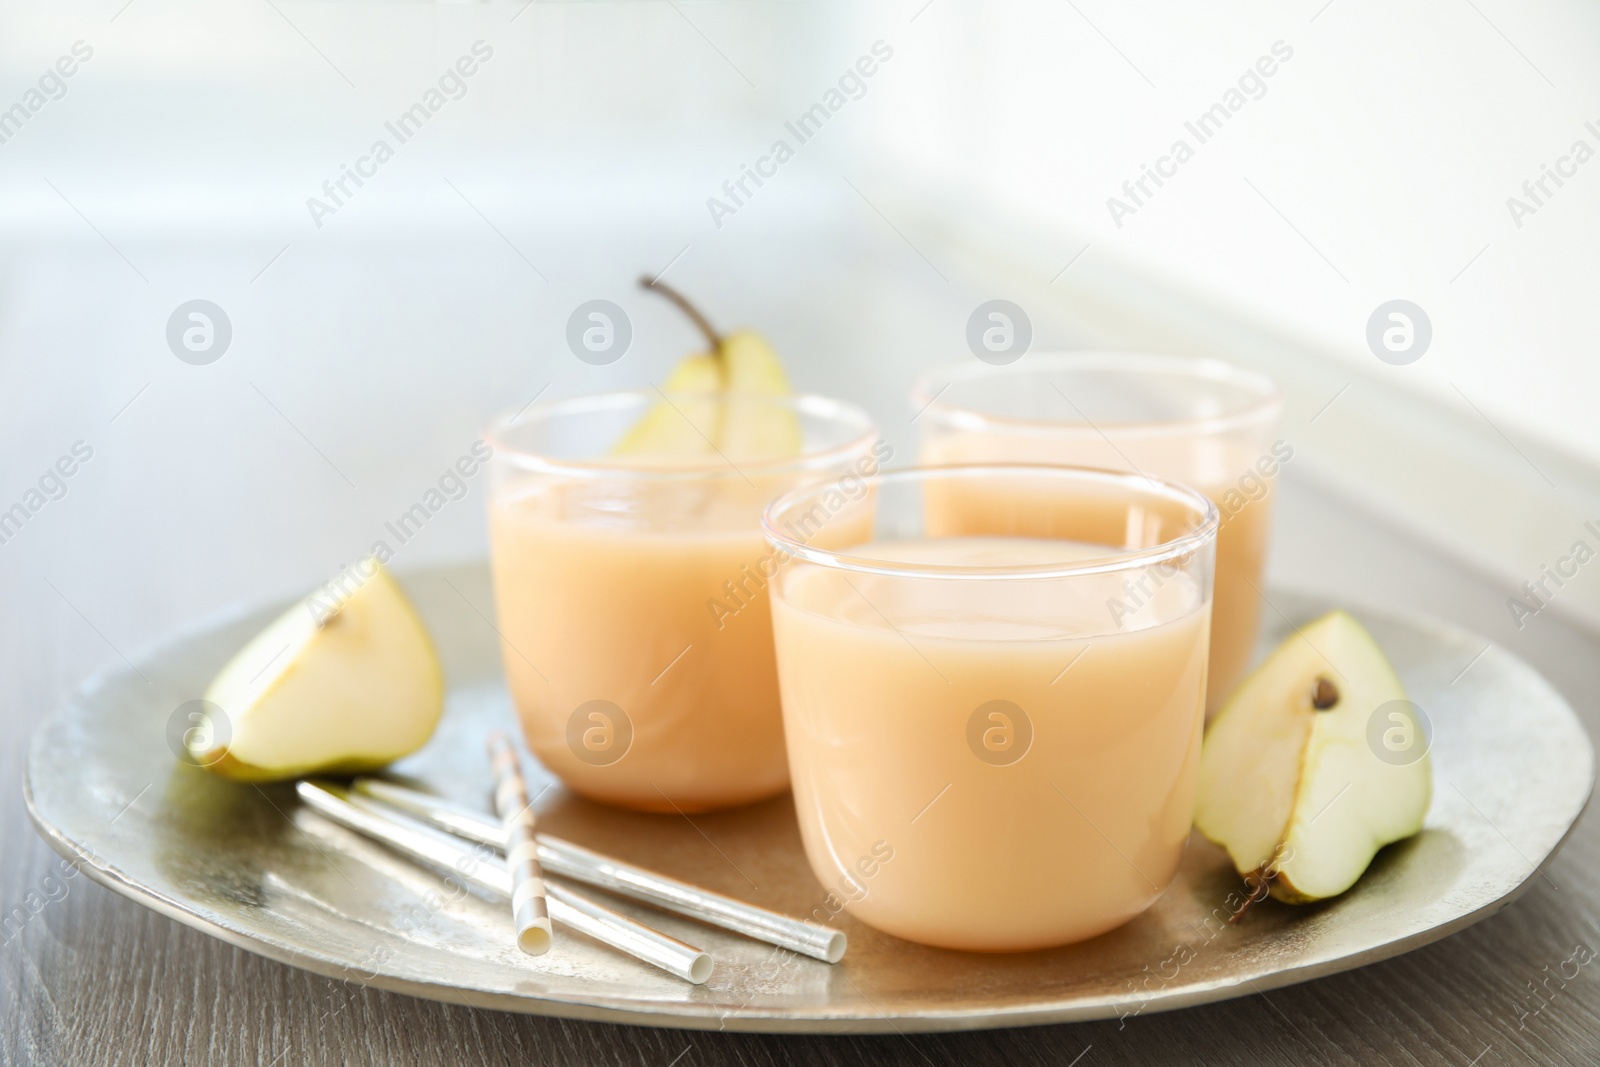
<point x="529" y="912"/>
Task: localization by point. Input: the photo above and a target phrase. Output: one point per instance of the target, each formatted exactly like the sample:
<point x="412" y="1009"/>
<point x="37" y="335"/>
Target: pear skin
<point x="1290" y="782"/>
<point x="344" y="682"/>
<point x="686" y="426"/>
<point x="701" y="416"/>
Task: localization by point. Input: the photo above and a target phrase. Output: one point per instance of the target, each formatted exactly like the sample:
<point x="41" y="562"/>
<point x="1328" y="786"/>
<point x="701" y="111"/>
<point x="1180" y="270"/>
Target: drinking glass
<point x="993" y="731"/>
<point x="631" y="588"/>
<point x="1198" y="422"/>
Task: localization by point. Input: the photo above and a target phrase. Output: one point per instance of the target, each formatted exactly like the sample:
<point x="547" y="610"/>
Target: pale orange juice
<point x="636" y="623"/>
<point x="1197" y="422"/>
<point x="1242" y="539"/>
<point x="981" y="757"/>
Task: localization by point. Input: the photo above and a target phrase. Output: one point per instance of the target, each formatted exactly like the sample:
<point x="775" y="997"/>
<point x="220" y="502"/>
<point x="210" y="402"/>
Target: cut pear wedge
<point x="756" y="431"/>
<point x="702" y="414"/>
<point x="685" y="428"/>
<point x="343" y="682"/>
<point x="1295" y="779"/>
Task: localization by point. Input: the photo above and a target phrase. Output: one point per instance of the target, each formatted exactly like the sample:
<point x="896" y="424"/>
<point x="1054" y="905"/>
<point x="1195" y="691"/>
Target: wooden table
<point x="94" y="978"/>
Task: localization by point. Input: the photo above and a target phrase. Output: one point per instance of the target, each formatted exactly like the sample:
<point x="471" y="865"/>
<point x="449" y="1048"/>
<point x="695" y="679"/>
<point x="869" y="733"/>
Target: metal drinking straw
<point x="418" y="842"/>
<point x="592" y="868"/>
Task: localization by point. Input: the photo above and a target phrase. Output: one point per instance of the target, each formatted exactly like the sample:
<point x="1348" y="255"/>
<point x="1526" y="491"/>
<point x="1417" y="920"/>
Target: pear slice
<point x="343" y="682"/>
<point x="694" y="425"/>
<point x="756" y="431"/>
<point x="686" y="428"/>
<point x="1290" y="782"/>
<point x="752" y="366"/>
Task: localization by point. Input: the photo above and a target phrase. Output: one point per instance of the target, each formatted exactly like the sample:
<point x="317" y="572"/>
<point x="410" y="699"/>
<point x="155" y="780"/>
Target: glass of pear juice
<point x="984" y="755"/>
<point x="631" y="584"/>
<point x="1199" y="422"/>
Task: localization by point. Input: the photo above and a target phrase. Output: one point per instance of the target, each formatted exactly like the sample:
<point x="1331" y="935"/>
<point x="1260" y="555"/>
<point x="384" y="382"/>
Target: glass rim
<point x="1263" y="406"/>
<point x="820" y="407"/>
<point x="1112" y="561"/>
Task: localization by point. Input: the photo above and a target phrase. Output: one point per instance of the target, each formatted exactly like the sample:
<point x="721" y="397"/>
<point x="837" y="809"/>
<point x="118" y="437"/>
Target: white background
<point x="1390" y="141"/>
<point x="369" y="352"/>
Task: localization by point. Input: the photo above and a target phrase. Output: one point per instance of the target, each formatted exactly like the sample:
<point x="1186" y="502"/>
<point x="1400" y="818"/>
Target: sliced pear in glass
<point x="755" y="431"/>
<point x="751" y="365"/>
<point x="345" y="681"/>
<point x="1291" y="782"/>
<point x="684" y="427"/>
<point x="691" y="423"/>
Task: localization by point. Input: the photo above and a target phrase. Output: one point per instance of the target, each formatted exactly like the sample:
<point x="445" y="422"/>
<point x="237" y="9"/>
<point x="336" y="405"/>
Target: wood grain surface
<point x="92" y="978"/>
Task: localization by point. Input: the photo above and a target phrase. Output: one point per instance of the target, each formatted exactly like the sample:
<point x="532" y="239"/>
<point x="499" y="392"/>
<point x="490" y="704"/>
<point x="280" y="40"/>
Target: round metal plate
<point x="1513" y="769"/>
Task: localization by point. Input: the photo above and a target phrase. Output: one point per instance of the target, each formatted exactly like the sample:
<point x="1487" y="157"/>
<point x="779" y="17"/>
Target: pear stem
<point x="657" y="285"/>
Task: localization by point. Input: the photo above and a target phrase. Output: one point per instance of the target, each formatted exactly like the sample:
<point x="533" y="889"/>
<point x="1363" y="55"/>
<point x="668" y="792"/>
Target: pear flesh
<point x="703" y="418"/>
<point x="344" y="682"/>
<point x="688" y="426"/>
<point x="754" y="432"/>
<point x="1290" y="783"/>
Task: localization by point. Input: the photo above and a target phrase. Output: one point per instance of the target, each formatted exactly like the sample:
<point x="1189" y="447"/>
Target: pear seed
<point x="1325" y="696"/>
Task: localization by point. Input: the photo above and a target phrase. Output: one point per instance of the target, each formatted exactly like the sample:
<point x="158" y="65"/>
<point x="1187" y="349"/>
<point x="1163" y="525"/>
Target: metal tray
<point x="1513" y="769"/>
